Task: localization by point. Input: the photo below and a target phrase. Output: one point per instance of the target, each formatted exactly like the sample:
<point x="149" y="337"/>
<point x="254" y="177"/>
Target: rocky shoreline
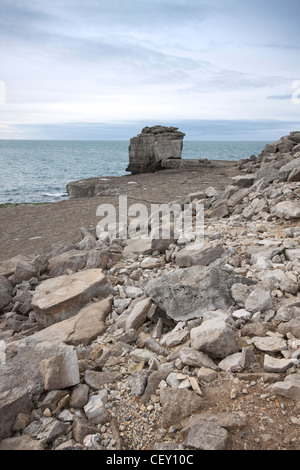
<point x="165" y="346"/>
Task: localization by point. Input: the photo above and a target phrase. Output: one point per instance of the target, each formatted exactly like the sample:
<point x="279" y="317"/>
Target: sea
<point x="37" y="171"/>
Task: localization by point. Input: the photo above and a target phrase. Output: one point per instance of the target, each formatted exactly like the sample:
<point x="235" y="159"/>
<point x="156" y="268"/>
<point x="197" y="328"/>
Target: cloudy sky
<point x="97" y="69"/>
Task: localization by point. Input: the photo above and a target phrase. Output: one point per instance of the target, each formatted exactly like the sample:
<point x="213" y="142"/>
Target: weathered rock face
<point x="61" y="297"/>
<point x="189" y="292"/>
<point x="155" y="144"/>
<point x="82" y="328"/>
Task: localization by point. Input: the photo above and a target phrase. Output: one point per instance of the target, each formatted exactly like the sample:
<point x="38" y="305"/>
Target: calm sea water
<point x="38" y="171"/>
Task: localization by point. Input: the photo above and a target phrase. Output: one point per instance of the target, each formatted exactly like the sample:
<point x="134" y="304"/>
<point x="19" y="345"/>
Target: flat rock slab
<point x="96" y="380"/>
<point x="206" y="436"/>
<point x="289" y="388"/>
<point x="194" y="358"/>
<point x="269" y="343"/>
<point x="62" y="297"/>
<point x="229" y="421"/>
<point x="82" y="328"/>
<point x="189" y="292"/>
<point x="72" y="260"/>
<point x="198" y="254"/>
<point x="272" y="364"/>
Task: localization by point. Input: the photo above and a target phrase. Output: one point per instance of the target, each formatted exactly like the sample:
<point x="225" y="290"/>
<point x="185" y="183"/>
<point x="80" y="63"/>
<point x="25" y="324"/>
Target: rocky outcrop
<point x="152" y="147"/>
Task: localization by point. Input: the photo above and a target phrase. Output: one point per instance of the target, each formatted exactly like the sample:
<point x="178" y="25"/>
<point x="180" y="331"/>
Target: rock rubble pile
<point x="146" y="343"/>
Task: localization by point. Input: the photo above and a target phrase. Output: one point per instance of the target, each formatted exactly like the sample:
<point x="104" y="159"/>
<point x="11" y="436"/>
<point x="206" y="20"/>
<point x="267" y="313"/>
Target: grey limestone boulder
<point x="287" y="210"/>
<point x="95" y="409"/>
<point x="289" y="387"/>
<point x="189" y="292"/>
<point x="198" y="254"/>
<point x="214" y="337"/>
<point x="12" y="402"/>
<point x="60" y="371"/>
<point x="206" y="436"/>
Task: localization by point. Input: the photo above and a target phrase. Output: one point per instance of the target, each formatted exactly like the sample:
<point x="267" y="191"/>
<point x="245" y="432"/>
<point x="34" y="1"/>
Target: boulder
<point x="243" y="181"/>
<point x="96" y="380"/>
<point x="174" y="337"/>
<point x="240" y="292"/>
<point x="7" y="267"/>
<point x="12" y="402"/>
<point x="60" y="371"/>
<point x="231" y="363"/>
<point x="295" y="136"/>
<point x="227" y="420"/>
<point x="25" y="270"/>
<point x="287" y="210"/>
<point x="153" y="381"/>
<point x="82" y="328"/>
<point x="95" y="409"/>
<point x="146" y="246"/>
<point x="206" y="435"/>
<point x="289" y="387"/>
<point x="294" y="176"/>
<point x="137" y="382"/>
<point x="79" y="396"/>
<point x="198" y="254"/>
<point x="272" y="364"/>
<point x="286" y="170"/>
<point x="72" y="260"/>
<point x="215" y="338"/>
<point x="189" y="292"/>
<point x="23" y="369"/>
<point x="154" y="346"/>
<point x="292" y="326"/>
<point x="138" y="314"/>
<point x="259" y="300"/>
<point x="52" y="431"/>
<point x="270" y="344"/>
<point x="62" y="297"/>
<point x="194" y="358"/>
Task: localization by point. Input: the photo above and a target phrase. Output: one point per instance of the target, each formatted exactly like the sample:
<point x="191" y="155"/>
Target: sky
<point x="104" y="69"/>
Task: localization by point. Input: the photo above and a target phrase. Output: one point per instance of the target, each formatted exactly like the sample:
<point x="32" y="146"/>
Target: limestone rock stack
<point x="154" y="145"/>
